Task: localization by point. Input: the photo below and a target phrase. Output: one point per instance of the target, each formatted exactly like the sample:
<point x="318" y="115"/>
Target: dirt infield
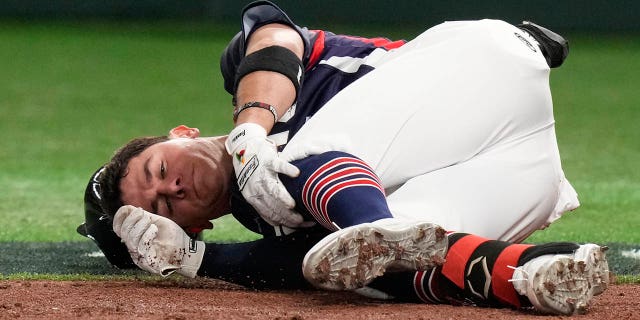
<point x="218" y="300"/>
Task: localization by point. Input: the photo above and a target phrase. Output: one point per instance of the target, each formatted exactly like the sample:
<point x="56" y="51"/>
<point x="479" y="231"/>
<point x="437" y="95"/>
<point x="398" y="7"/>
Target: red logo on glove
<point x="240" y="156"/>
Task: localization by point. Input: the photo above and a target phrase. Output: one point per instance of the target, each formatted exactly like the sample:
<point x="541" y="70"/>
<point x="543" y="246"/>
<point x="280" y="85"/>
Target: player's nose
<point x="172" y="187"/>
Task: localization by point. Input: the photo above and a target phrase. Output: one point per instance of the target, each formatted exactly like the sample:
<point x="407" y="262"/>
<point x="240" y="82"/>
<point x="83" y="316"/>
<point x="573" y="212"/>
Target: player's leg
<point x="492" y="89"/>
<point x="485" y="161"/>
<point x="459" y="93"/>
<point x="449" y="94"/>
<point x="556" y="278"/>
<point x="266" y="263"/>
<point x="506" y="193"/>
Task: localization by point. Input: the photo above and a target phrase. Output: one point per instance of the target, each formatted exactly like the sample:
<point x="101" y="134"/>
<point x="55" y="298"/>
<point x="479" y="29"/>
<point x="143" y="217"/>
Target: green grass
<point x="70" y="93"/>
<point x="597" y="111"/>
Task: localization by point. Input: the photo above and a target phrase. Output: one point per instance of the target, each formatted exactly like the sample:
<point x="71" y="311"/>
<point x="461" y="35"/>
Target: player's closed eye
<point x="163" y="173"/>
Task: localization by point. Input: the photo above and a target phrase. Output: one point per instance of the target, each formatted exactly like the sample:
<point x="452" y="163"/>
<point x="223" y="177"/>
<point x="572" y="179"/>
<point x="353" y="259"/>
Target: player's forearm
<point x="270" y="87"/>
<point x="267" y="87"/>
<point x="269" y="263"/>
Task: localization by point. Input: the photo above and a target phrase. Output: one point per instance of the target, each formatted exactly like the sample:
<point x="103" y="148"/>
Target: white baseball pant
<point x="459" y="126"/>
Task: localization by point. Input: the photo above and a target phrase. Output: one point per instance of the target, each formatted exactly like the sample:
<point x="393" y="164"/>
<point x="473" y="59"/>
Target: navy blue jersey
<point x="331" y="63"/>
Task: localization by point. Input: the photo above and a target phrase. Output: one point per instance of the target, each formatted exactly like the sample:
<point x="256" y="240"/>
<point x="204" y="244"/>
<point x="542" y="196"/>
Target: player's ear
<point x="183" y="131"/>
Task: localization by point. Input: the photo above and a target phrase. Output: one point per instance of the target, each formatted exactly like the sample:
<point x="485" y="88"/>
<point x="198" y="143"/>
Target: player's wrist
<point x="189" y="264"/>
<point x="192" y="259"/>
<point x="243" y="133"/>
<point x="255" y="105"/>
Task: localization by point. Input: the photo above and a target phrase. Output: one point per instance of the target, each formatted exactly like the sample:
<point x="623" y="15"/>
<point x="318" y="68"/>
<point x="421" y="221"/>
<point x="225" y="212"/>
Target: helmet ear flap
<point x="98" y="226"/>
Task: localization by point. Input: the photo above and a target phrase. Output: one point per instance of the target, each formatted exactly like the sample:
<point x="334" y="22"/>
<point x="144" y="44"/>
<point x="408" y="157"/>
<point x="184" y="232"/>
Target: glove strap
<point x="255" y="104"/>
<point x="190" y="263"/>
<point x="242" y="133"/>
<point x="193" y="259"/>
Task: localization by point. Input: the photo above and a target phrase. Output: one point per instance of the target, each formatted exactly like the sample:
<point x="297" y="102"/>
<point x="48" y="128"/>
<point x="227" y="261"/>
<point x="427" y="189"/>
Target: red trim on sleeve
<point x="379" y="42"/>
<point x="316" y="50"/>
<point x="387" y="44"/>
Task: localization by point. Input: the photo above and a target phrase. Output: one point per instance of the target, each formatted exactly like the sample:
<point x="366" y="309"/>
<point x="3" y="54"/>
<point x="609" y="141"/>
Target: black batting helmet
<point x="98" y="226"/>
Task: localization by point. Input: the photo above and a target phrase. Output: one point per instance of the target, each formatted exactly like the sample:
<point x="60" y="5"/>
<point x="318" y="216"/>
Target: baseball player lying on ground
<point x="386" y="142"/>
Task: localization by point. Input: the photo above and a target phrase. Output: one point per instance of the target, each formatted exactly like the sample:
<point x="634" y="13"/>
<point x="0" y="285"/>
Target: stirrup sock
<point x="480" y="267"/>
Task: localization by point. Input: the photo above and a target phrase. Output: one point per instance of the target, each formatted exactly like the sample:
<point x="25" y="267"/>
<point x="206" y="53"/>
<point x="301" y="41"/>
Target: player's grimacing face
<point x="183" y="179"/>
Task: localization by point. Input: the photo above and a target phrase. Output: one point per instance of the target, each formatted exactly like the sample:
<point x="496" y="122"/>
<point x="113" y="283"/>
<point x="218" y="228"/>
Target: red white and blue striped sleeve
<point x="338" y="190"/>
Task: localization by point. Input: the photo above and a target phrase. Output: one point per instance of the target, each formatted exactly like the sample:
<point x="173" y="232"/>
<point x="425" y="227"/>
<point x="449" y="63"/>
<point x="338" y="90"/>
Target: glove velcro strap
<point x="192" y="259"/>
<point x="242" y="133"/>
<point x="243" y="143"/>
<point x="190" y="263"/>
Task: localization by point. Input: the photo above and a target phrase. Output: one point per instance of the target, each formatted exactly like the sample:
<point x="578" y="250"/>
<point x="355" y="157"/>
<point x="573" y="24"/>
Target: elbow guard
<point x="274" y="58"/>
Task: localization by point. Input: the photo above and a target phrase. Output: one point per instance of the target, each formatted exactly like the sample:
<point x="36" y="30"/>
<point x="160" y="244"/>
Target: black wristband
<point x="274" y="58"/>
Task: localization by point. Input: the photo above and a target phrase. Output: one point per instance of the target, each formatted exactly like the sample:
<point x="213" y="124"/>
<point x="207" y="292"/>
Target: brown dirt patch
<point x="198" y="299"/>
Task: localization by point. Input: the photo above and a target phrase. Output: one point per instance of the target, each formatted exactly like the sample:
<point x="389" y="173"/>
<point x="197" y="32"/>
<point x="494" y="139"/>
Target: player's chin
<point x="197" y="226"/>
<point x="207" y="225"/>
<point x="217" y="209"/>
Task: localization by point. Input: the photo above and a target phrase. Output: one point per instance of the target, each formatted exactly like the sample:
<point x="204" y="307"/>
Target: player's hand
<point x="311" y="147"/>
<point x="256" y="164"/>
<point x="157" y="244"/>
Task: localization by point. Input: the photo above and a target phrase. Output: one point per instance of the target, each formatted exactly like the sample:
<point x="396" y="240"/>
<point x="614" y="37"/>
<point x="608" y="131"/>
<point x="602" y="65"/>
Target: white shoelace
<point x="520" y="269"/>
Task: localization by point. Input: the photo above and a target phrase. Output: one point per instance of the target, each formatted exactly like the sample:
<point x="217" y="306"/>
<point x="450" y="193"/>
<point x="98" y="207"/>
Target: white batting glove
<point x="157" y="244"/>
<point x="311" y="147"/>
<point x="256" y="164"/>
